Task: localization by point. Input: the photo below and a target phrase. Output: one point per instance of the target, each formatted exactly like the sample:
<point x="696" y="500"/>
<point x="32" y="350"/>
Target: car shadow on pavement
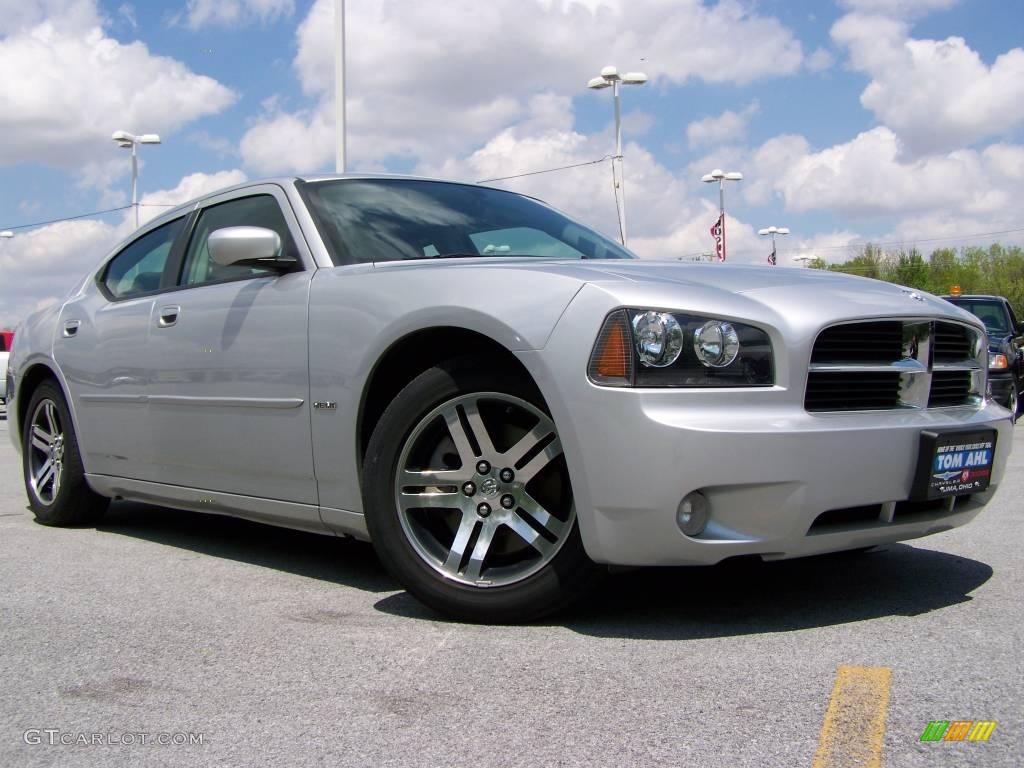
<point x="748" y="596"/>
<point x="329" y="558"/>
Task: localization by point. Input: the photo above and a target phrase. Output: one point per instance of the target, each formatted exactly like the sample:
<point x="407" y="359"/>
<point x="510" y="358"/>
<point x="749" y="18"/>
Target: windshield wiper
<point x="445" y="256"/>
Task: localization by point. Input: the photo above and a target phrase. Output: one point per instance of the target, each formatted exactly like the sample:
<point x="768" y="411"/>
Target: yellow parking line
<point x="851" y="736"/>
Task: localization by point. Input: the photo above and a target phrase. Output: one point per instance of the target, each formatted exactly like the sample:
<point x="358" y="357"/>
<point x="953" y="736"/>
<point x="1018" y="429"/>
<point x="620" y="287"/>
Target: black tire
<point x="63" y="498"/>
<point x="539" y="582"/>
<point x="1013" y="401"/>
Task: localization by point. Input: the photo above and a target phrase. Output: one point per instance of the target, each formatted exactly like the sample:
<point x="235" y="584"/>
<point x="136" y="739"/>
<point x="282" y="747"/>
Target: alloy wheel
<point x="46" y="451"/>
<point x="482" y="489"/>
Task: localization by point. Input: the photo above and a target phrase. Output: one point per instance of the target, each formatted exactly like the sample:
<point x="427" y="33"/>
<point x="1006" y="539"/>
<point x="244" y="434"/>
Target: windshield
<point x="991" y="313"/>
<point x="369" y="220"/>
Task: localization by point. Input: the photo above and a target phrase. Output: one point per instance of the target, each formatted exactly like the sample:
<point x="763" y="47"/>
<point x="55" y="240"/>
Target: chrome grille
<point x="888" y="364"/>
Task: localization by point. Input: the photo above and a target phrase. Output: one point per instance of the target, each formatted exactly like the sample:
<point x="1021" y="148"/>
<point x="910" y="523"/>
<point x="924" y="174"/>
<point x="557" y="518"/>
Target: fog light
<point x="692" y="515"/>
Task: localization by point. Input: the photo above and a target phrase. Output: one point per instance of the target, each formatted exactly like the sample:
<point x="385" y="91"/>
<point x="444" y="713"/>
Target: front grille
<point x="852" y="391"/>
<point x="888" y="364"/>
<point x="877" y="342"/>
<point x="950" y="388"/>
<point x="952" y="343"/>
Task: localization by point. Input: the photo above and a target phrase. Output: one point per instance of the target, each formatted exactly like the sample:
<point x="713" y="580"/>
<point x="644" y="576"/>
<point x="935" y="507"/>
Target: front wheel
<point x="468" y="499"/>
<point x="54" y="476"/>
<point x="1013" y="402"/>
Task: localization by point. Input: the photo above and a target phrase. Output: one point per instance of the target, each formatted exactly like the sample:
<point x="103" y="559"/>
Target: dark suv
<point x="1005" y="346"/>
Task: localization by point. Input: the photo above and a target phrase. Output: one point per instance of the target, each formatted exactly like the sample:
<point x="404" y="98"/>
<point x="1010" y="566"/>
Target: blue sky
<point x="892" y="120"/>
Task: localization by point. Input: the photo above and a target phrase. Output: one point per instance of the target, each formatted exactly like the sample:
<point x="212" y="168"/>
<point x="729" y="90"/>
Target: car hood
<point x="789" y="290"/>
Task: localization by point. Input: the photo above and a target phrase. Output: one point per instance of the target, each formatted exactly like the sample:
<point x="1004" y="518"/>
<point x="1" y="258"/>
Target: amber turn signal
<point x="611" y="362"/>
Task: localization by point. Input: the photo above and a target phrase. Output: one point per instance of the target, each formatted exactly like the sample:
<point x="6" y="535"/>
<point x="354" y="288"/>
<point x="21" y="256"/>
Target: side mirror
<point x="247" y="246"/>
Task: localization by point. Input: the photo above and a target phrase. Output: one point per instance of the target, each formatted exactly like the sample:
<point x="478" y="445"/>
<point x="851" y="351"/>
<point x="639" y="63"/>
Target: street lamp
<point x="773" y="231"/>
<point x="126" y="140"/>
<point x="339" y="87"/>
<point x="610" y="77"/>
<point x="721" y="177"/>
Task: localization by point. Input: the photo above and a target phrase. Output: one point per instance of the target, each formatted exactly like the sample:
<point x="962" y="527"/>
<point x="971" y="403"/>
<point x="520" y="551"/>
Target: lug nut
<point x="507" y="475"/>
<point x="507" y="501"/>
<point x="483" y="509"/>
<point x="469" y="489"/>
<point x="482" y="467"/>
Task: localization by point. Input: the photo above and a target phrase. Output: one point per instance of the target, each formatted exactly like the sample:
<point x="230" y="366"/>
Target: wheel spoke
<point x="43" y="474"/>
<point x="424" y="478"/>
<point x="41" y="439"/>
<point x="544" y="519"/>
<point x="476" y="424"/>
<point x="459" y="437"/>
<point x="56" y="479"/>
<point x="458" y="548"/>
<point x="431" y="500"/>
<point x="527" y="442"/>
<point x="483" y="545"/>
<point x="51" y="417"/>
<point x="525" y="531"/>
<point x="551" y="452"/>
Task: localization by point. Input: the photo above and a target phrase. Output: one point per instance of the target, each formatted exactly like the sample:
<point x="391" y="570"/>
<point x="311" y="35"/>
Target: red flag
<point x="718" y="232"/>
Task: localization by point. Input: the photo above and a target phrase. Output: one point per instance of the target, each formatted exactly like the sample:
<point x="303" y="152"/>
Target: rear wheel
<point x="468" y="498"/>
<point x="54" y="477"/>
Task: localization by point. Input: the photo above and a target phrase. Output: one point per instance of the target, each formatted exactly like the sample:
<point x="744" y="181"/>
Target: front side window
<point x="255" y="211"/>
<point x="370" y="220"/>
<point x="139" y="268"/>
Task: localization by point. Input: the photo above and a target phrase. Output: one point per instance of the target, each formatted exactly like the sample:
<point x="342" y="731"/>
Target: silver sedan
<point x="501" y="399"/>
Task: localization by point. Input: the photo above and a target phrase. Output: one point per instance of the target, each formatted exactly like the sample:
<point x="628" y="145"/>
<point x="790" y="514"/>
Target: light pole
<point x="773" y="231"/>
<point x="339" y="86"/>
<point x="6" y="234"/>
<point x="126" y="140"/>
<point x="610" y="77"/>
<point x="721" y="177"/>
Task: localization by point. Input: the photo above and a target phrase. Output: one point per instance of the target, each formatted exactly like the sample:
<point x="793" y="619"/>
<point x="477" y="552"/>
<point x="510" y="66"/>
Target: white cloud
<point x="64" y="15"/>
<point x="429" y="78"/>
<point x="722" y="129"/>
<point x="67" y="86"/>
<point x="935" y="94"/>
<point x="201" y="13"/>
<point x="38" y="266"/>
<point x="820" y="60"/>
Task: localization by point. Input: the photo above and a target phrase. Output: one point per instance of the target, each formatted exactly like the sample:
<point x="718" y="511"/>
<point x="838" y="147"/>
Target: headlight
<point x="650" y="348"/>
<point x="997" y="362"/>
<point x="659" y="339"/>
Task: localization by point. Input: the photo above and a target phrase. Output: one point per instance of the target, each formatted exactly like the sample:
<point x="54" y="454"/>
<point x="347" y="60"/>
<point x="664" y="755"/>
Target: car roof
<point x="190" y="205"/>
<point x="985" y="296"/>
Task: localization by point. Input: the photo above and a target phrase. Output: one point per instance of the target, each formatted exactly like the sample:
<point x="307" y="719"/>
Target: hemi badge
<point x="326" y="405"/>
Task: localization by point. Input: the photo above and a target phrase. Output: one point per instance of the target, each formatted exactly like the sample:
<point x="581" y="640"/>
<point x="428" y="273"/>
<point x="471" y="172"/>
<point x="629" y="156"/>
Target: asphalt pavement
<point x="242" y="644"/>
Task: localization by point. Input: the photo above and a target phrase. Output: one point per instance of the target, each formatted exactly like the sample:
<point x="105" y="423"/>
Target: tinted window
<point x="992" y="313"/>
<point x="391" y="219"/>
<point x="139" y="267"/>
<point x="256" y="211"/>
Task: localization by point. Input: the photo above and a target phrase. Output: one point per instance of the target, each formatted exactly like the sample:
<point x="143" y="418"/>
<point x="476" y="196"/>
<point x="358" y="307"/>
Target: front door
<point x="229" y="398"/>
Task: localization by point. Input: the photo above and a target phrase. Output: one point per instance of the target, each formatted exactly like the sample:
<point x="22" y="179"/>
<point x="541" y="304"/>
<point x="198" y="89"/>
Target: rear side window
<point x="139" y="268"/>
<point x="255" y="211"/>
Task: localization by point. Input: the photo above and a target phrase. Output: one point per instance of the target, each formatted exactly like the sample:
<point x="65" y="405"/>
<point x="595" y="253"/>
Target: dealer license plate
<point x="954" y="463"/>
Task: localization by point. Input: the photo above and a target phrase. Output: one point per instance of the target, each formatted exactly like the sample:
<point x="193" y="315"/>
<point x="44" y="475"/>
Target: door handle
<point x="168" y="316"/>
<point x="71" y="328"/>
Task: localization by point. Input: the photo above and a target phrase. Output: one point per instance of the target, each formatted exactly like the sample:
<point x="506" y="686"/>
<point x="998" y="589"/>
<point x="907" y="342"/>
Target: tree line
<point x="997" y="270"/>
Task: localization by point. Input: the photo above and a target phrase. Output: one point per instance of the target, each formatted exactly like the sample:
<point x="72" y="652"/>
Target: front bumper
<point x="767" y="473"/>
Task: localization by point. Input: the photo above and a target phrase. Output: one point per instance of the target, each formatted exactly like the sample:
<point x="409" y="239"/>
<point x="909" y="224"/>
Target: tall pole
<point x="620" y="190"/>
<point x="135" y="183"/>
<point x="721" y="211"/>
<point x="339" y="85"/>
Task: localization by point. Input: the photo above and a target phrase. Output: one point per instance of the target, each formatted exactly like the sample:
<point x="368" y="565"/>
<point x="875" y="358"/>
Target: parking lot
<point x="283" y="648"/>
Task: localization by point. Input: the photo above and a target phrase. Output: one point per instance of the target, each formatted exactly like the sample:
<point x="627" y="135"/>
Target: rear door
<point x="101" y="347"/>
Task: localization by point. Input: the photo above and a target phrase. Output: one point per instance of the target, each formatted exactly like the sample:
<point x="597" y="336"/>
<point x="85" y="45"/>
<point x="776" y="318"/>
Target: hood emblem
<point x="912" y="294"/>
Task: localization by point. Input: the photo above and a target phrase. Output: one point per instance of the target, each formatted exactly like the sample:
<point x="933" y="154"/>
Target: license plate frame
<point x="968" y="456"/>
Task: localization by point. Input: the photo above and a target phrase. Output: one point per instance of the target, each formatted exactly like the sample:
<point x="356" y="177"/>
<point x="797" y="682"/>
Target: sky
<point x="890" y="121"/>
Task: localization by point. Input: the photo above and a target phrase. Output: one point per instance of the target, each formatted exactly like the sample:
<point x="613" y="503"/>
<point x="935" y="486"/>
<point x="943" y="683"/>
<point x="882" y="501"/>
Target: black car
<point x="1005" y="346"/>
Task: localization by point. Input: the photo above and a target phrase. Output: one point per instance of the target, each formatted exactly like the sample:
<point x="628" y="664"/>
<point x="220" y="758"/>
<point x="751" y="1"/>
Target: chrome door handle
<point x="168" y="316"/>
<point x="71" y="328"/>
